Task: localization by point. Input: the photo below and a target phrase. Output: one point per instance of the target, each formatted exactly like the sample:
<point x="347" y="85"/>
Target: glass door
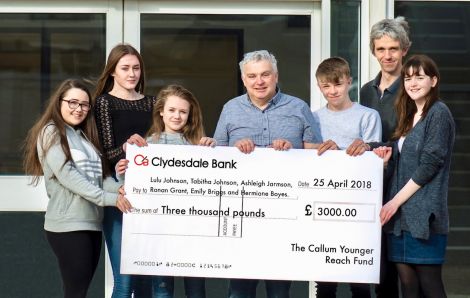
<point x="199" y="46"/>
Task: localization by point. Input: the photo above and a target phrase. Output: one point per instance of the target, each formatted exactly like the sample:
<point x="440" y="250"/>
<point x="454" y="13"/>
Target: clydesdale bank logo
<point x="141" y="160"/>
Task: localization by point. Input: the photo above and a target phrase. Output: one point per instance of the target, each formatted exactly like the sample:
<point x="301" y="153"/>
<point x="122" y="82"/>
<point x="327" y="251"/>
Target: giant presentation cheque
<point x="217" y="212"/>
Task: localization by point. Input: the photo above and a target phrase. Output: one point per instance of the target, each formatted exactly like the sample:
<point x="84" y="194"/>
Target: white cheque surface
<point x="216" y="212"/>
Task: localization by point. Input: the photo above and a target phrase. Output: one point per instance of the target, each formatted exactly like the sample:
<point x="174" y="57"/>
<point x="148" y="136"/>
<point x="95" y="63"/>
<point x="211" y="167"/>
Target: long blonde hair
<point x="52" y="115"/>
<point x="193" y="131"/>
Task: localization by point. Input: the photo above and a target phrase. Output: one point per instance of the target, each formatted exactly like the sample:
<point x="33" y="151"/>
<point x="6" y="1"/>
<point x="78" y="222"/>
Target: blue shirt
<point x="285" y="117"/>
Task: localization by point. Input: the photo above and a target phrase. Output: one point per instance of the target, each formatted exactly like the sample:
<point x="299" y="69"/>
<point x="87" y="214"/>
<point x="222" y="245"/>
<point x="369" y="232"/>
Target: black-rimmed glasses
<point x="73" y="104"/>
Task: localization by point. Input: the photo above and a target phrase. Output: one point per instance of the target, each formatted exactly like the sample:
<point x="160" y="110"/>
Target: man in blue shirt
<point x="264" y="117"/>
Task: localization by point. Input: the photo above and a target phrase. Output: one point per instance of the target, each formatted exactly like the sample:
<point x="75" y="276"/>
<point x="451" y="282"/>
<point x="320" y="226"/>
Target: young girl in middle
<point x="177" y="120"/>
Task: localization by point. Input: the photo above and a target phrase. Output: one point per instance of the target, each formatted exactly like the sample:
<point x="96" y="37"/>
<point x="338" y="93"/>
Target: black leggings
<point x="78" y="254"/>
<point x="328" y="290"/>
<point x="421" y="281"/>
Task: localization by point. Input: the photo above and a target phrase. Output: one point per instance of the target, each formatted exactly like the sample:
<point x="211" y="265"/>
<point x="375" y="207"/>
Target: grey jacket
<point x="74" y="188"/>
<point x="425" y="157"/>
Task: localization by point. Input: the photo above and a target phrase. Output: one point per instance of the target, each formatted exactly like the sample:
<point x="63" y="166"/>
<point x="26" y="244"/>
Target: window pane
<point x="202" y="52"/>
<point x="38" y="51"/>
<point x="442" y="30"/>
<point x="345" y="28"/>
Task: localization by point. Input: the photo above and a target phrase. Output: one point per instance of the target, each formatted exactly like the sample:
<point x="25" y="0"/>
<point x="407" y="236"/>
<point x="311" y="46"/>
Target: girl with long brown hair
<point x="121" y="110"/>
<point x="416" y="216"/>
<point x="62" y="146"/>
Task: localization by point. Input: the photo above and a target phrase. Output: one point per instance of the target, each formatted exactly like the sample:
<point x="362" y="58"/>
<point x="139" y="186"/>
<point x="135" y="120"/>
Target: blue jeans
<point x="124" y="284"/>
<point x="163" y="287"/>
<point x="195" y="287"/>
<point x="246" y="288"/>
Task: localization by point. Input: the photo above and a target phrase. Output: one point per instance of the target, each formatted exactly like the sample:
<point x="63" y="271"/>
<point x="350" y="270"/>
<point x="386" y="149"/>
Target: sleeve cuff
<point x="110" y="199"/>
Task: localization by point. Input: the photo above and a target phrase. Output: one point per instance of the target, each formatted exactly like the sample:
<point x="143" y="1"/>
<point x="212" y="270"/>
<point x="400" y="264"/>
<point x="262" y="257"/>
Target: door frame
<point x="314" y="9"/>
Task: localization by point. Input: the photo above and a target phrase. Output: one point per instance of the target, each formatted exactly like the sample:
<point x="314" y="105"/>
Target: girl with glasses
<point x="62" y="147"/>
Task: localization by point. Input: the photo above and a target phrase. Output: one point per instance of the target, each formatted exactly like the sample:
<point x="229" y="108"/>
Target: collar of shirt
<point x="273" y="101"/>
<point x="391" y="89"/>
